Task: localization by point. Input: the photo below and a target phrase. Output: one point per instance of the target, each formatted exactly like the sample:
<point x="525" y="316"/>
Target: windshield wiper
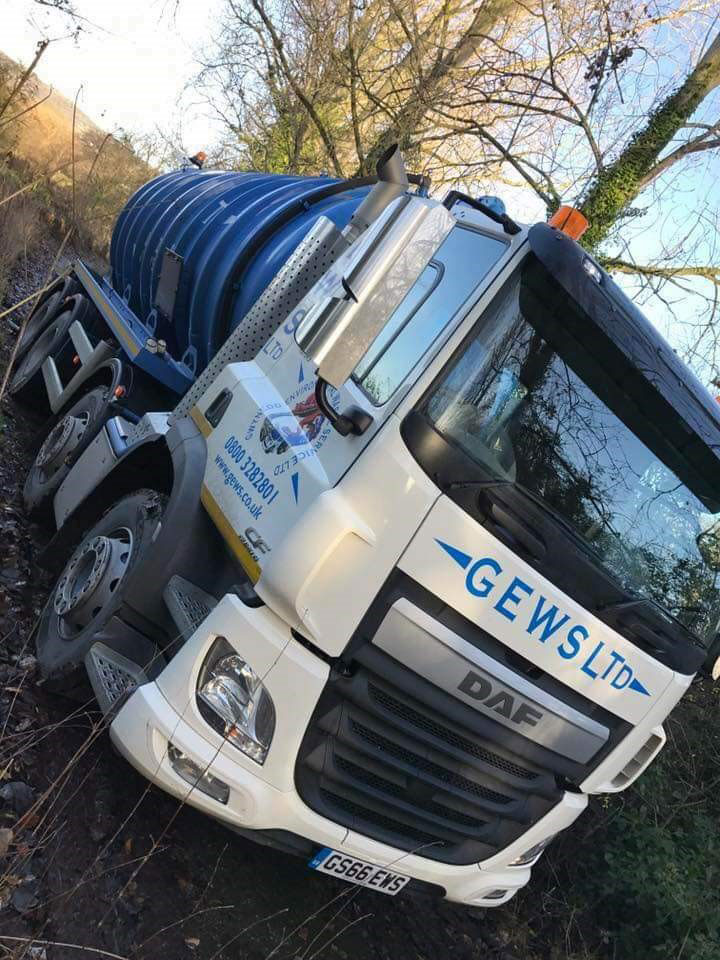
<point x="550" y="512"/>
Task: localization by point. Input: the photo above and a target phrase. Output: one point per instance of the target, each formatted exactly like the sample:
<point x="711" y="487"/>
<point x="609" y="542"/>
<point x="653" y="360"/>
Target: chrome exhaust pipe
<point x="392" y="183"/>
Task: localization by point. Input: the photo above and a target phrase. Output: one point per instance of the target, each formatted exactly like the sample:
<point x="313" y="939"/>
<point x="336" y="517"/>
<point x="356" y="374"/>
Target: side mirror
<point x="349" y="306"/>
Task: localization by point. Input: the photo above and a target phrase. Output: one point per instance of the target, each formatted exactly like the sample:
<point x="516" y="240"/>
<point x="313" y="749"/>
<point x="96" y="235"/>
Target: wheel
<point x="66" y="439"/>
<point x="90" y="589"/>
<point x="27" y="382"/>
<point x="47" y="308"/>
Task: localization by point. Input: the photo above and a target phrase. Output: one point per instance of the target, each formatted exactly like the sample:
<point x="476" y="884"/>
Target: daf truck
<point x="402" y="559"/>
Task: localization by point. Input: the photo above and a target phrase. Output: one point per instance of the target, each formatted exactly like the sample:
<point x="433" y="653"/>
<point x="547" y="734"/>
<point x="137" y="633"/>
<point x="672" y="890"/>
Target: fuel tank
<point x="217" y="239"/>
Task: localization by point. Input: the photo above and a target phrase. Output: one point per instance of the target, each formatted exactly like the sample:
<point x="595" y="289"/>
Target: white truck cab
<point x="402" y="591"/>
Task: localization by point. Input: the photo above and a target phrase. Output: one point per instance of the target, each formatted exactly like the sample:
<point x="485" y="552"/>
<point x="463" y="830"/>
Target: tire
<point x="67" y="438"/>
<point x="47" y="308"/>
<point x="90" y="589"/>
<point x="27" y="382"/>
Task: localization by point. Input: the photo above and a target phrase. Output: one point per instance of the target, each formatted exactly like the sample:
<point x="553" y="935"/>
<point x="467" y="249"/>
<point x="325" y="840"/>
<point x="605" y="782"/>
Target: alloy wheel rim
<point x="90" y="580"/>
<point x="60" y="442"/>
<point x="39" y="348"/>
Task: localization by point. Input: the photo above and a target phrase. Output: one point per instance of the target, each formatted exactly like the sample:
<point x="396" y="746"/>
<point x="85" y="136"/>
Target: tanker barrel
<point x="193" y="250"/>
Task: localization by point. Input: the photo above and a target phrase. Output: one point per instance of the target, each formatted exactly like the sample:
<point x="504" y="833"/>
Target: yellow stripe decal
<point x="248" y="562"/>
<point x="200" y="421"/>
<point x="120" y="330"/>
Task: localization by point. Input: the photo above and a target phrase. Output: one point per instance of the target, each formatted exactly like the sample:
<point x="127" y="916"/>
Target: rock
<point x="24" y="898"/>
<point x="5" y="896"/>
<point x="103" y="822"/>
<point x="18" y="795"/>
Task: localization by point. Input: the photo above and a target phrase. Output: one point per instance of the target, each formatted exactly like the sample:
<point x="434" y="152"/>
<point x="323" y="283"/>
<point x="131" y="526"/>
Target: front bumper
<point x="264" y="797"/>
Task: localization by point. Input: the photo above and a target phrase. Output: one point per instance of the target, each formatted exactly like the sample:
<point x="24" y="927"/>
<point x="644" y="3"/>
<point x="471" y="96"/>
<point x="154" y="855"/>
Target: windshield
<point x="514" y="405"/>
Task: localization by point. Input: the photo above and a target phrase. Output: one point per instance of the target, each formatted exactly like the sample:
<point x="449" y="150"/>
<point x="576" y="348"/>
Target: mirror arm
<point x="353" y="420"/>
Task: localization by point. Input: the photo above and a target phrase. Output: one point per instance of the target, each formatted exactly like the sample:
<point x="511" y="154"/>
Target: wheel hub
<point x="61" y="441"/>
<point x="90" y="579"/>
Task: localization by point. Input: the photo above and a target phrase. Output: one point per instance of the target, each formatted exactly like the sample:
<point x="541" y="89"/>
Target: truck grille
<point x="434" y="780"/>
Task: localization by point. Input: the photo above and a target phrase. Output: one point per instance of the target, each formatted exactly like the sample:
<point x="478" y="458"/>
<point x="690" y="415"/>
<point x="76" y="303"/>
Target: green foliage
<point x="608" y="198"/>
<point x="654" y="885"/>
<point x="637" y="878"/>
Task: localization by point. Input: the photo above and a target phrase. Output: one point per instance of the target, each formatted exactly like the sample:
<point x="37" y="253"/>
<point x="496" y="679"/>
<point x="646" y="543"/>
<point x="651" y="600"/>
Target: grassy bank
<point x="59" y="172"/>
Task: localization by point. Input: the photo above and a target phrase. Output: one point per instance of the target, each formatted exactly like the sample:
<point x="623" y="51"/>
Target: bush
<point x="655" y="883"/>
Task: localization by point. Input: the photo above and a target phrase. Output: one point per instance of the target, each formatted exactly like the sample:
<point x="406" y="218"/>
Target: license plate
<point x="358" y="871"/>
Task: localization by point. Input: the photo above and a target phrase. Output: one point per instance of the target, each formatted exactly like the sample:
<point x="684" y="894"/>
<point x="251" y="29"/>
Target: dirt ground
<point x="99" y="859"/>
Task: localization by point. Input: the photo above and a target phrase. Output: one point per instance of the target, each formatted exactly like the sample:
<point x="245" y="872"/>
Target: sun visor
<point x="648" y="385"/>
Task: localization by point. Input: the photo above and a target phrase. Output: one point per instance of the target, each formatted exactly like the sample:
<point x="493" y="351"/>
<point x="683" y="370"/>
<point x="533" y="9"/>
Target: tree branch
<point x="296" y="88"/>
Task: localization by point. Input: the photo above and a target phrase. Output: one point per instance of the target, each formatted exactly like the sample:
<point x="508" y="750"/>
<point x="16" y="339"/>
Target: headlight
<point x="233" y="700"/>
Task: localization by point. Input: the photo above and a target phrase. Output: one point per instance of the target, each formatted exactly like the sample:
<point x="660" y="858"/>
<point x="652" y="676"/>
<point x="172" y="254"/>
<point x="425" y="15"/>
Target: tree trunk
<point x="617" y="185"/>
<point x="429" y="88"/>
<point x="24" y="77"/>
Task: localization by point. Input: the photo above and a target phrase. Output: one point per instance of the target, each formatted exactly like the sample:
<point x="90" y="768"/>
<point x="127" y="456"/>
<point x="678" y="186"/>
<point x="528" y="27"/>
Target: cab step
<point x="113" y="677"/>
<point x="188" y="604"/>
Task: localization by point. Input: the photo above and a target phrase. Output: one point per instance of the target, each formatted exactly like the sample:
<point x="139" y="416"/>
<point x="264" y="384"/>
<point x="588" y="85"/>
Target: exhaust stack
<point x="392" y="183"/>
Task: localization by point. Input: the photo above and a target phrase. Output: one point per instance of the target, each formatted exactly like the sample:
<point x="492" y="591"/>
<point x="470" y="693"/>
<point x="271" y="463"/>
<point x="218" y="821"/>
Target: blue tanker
<point x="190" y="254"/>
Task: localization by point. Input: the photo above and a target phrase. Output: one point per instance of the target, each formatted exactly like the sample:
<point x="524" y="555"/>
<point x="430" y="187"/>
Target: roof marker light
<point x="569" y="221"/>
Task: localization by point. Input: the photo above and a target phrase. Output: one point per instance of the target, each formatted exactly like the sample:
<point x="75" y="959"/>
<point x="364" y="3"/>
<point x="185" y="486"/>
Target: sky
<point x="133" y="58"/>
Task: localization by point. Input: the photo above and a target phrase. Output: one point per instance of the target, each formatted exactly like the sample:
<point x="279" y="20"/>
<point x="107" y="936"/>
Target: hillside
<point x="51" y="122"/>
<point x="38" y="164"/>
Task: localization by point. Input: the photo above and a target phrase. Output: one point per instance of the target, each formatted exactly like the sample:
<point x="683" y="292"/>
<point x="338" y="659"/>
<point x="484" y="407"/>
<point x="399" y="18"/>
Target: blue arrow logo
<point x="636" y="685"/>
<point x="463" y="559"/>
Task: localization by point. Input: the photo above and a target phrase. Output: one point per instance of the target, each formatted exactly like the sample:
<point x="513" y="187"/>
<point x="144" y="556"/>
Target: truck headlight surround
<point x="533" y="854"/>
<point x="196" y="775"/>
<point x="232" y="699"/>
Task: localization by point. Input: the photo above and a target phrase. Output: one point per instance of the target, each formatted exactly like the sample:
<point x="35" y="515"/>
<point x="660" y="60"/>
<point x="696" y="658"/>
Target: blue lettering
<point x="485" y="586"/>
<point x="586" y="666"/>
<point x="626" y="673"/>
<point x="615" y="658"/>
<point x="511" y="597"/>
<point x="573" y="641"/>
<point x="294" y="322"/>
<point x="546" y="620"/>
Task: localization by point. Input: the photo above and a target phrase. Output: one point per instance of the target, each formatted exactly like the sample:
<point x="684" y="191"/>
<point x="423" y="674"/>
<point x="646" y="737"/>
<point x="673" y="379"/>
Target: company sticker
<point x="511" y="597"/>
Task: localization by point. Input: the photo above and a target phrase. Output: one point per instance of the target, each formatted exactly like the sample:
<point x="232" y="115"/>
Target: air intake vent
<point x="642" y="759"/>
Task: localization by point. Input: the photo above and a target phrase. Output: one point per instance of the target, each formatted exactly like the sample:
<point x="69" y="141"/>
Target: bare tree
<point x="546" y="102"/>
<point x="308" y="82"/>
<point x="23" y="78"/>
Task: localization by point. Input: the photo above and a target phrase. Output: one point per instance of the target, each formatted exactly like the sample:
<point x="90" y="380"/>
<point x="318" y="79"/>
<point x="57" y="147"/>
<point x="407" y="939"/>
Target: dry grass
<point x="21" y="225"/>
<point x="60" y="170"/>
